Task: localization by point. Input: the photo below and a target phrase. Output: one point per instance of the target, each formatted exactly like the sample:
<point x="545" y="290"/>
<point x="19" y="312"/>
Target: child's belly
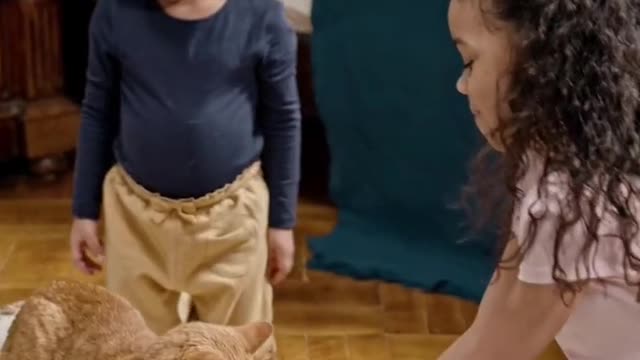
<point x="187" y="160"/>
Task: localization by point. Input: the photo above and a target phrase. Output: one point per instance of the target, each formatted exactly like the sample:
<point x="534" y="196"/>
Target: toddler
<point x="190" y="145"/>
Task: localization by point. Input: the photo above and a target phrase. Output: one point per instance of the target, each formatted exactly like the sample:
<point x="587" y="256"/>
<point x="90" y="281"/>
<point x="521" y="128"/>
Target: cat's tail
<point x="11" y="309"/>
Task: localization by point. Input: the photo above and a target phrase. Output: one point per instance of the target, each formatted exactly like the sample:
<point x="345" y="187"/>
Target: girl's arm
<point x="516" y="320"/>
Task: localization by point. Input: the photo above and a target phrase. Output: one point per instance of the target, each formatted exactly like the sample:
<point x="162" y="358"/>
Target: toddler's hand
<point x="86" y="247"/>
<point x="281" y="253"/>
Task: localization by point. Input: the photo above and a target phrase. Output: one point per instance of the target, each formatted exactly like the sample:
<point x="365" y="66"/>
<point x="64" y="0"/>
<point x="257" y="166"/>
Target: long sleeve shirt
<point x="185" y="106"/>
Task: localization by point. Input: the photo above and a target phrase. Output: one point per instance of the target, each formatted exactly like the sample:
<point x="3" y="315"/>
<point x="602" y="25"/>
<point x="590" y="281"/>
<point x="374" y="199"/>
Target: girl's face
<point x="485" y="52"/>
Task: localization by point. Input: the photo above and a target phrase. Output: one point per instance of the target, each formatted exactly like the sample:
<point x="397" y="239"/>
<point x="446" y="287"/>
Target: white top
<point x="606" y="323"/>
<point x="5" y="324"/>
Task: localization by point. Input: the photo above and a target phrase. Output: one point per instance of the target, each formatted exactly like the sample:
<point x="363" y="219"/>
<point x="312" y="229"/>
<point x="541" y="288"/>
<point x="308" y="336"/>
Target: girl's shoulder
<point x="578" y="230"/>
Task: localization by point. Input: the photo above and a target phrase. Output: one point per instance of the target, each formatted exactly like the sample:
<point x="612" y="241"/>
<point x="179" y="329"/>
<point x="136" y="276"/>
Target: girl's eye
<point x="468" y="65"/>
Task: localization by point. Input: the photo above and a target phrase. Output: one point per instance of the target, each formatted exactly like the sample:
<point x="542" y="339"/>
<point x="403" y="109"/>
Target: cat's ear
<point x="255" y="334"/>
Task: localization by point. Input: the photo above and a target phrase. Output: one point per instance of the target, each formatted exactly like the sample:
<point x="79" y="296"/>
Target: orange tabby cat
<point x="76" y="321"/>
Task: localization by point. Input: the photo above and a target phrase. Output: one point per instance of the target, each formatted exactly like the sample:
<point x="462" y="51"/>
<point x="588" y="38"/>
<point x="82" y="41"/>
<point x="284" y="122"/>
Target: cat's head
<point x="201" y="341"/>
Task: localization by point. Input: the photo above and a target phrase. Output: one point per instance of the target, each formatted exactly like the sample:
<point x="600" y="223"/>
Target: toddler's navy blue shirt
<point x="186" y="106"/>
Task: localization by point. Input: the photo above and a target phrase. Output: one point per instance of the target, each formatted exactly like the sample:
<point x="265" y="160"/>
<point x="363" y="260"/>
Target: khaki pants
<point x="212" y="248"/>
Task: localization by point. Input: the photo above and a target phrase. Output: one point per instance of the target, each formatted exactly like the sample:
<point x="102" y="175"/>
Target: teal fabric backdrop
<point x="400" y="138"/>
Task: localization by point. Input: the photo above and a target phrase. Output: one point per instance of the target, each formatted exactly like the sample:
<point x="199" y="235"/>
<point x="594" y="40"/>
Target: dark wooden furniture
<point x="315" y="150"/>
<point x="43" y="58"/>
<point x="37" y="122"/>
<point x="301" y="23"/>
<point x="9" y="147"/>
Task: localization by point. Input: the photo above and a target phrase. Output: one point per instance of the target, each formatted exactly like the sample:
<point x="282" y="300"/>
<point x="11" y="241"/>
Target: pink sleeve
<point x="537" y="264"/>
<point x="602" y="261"/>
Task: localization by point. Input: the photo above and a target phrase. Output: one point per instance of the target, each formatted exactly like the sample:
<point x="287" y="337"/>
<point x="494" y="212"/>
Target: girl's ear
<point x="255" y="335"/>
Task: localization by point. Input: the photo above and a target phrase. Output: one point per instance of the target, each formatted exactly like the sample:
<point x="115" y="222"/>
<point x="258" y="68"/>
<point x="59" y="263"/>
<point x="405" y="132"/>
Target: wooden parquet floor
<point x="318" y="316"/>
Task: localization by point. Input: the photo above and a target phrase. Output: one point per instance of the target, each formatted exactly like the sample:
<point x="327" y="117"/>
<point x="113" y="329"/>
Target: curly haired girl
<point x="554" y="87"/>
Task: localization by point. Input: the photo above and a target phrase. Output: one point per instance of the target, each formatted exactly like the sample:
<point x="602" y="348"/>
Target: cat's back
<point x="67" y="318"/>
<point x="88" y="306"/>
<point x="80" y="299"/>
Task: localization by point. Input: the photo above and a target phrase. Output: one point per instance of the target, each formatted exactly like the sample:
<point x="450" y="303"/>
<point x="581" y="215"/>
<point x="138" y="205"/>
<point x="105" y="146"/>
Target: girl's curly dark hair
<point x="575" y="101"/>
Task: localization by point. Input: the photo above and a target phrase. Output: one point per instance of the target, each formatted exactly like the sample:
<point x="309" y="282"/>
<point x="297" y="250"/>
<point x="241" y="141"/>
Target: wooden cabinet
<point x="30" y="48"/>
<point x="39" y="123"/>
<point x="9" y="146"/>
<point x="35" y="116"/>
<point x="301" y="23"/>
<point x="315" y="150"/>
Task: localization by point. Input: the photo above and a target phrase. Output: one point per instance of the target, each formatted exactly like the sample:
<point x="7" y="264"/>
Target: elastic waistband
<point x="162" y="202"/>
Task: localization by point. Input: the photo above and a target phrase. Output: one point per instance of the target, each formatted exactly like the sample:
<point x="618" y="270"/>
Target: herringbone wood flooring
<point x="319" y="316"/>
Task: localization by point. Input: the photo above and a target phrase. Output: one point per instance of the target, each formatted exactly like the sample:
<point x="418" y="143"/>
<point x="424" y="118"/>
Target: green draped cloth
<point x="400" y="140"/>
